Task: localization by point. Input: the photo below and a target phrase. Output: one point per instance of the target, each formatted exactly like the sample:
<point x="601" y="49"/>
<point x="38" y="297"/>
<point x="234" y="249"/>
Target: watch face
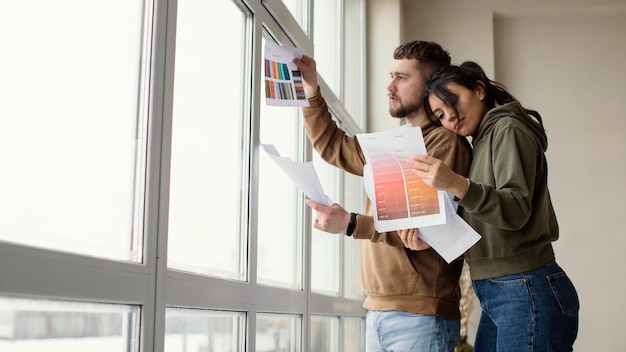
<point x="351" y="224"/>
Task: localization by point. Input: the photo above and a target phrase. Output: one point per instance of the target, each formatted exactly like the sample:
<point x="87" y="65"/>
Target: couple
<point x="528" y="302"/>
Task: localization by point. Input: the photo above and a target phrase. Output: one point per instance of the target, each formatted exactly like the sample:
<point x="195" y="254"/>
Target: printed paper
<point x="283" y="79"/>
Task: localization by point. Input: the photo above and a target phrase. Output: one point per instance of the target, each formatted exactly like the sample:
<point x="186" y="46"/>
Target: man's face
<point x="405" y="89"/>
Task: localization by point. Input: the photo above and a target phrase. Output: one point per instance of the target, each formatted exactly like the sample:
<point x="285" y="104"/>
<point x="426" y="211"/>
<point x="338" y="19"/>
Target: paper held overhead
<point x="283" y="79"/>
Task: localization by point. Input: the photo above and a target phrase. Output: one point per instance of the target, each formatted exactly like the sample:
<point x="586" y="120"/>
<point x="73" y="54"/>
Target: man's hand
<point x="333" y="219"/>
<point x="411" y="240"/>
<point x="306" y="64"/>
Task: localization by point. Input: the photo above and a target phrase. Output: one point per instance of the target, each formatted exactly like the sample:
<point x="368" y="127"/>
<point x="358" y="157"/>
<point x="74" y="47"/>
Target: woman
<point x="528" y="302"/>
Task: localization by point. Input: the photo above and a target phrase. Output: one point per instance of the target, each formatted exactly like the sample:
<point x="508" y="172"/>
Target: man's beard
<point x="405" y="110"/>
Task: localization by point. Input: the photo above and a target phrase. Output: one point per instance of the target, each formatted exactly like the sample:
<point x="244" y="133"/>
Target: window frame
<point x="39" y="273"/>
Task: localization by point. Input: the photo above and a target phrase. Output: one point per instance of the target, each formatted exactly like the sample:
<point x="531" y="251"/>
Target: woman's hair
<point x="469" y="75"/>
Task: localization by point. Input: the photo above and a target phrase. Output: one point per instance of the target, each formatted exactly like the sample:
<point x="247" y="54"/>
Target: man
<point x="412" y="296"/>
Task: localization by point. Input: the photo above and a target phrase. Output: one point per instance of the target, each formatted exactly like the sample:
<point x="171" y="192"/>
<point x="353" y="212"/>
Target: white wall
<point x="564" y="58"/>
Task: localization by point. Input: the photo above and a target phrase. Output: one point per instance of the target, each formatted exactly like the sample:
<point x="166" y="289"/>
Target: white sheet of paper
<point x="453" y="238"/>
<point x="303" y="174"/>
<point x="283" y="79"/>
<point x="400" y="199"/>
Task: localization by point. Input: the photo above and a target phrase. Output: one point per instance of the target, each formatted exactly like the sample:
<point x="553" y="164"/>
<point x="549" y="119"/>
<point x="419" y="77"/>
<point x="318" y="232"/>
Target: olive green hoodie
<point x="508" y="201"/>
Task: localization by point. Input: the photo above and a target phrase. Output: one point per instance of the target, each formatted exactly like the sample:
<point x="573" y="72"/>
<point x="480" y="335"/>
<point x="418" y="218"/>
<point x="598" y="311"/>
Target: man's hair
<point x="430" y="56"/>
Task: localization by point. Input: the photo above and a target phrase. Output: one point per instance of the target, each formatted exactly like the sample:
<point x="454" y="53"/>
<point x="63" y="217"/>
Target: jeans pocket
<point x="508" y="280"/>
<point x="564" y="293"/>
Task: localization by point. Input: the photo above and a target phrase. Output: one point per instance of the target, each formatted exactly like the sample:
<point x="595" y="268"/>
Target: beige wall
<point x="564" y="58"/>
<point x="384" y="33"/>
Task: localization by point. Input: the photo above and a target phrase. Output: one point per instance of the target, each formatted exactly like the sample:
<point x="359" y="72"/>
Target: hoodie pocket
<point x="387" y="270"/>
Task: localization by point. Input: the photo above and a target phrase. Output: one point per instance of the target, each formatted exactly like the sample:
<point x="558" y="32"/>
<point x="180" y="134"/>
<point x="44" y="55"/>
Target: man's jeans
<point x="531" y="311"/>
<point x="395" y="331"/>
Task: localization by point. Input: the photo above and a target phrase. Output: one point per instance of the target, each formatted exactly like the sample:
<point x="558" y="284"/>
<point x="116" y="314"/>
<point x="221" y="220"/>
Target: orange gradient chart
<point x="399" y="192"/>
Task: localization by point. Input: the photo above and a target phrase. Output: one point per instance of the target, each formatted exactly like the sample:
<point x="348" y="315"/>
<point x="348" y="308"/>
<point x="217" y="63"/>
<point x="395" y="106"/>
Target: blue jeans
<point x="395" y="331"/>
<point x="531" y="311"/>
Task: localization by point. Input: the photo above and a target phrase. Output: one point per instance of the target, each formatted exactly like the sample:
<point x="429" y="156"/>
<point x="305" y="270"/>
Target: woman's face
<point x="470" y="107"/>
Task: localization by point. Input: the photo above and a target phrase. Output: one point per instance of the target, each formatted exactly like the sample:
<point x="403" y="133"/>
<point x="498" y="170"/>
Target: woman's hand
<point x="438" y="175"/>
<point x="411" y="240"/>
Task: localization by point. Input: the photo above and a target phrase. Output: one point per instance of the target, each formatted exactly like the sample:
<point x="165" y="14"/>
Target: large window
<point x="280" y="242"/>
<point x="209" y="140"/>
<point x="73" y="125"/>
<point x="139" y="212"/>
<point x="36" y="325"/>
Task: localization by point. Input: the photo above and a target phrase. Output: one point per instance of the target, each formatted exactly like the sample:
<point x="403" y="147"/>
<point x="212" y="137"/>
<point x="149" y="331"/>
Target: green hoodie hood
<point x="512" y="110"/>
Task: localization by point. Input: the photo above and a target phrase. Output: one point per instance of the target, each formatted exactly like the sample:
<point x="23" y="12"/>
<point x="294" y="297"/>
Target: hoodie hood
<point x="512" y="110"/>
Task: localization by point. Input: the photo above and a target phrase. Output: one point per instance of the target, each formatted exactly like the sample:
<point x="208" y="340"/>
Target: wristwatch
<point x="351" y="224"/>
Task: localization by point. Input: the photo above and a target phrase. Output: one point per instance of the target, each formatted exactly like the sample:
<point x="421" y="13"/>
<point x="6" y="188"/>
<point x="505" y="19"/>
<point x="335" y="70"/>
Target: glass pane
<point x="353" y="333"/>
<point x="327" y="41"/>
<point x="73" y="125"/>
<point x="325" y="246"/>
<point x="45" y="325"/>
<point x="324" y="334"/>
<point x="354" y="198"/>
<point x="279" y="265"/>
<point x="299" y="10"/>
<point x="207" y="194"/>
<point x="278" y="332"/>
<point x="203" y="330"/>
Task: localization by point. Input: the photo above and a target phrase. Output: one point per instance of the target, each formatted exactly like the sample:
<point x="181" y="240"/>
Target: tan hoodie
<point x="392" y="276"/>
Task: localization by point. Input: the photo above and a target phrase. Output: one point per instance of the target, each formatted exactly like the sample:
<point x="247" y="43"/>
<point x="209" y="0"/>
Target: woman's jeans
<point x="531" y="311"/>
<point x="395" y="331"/>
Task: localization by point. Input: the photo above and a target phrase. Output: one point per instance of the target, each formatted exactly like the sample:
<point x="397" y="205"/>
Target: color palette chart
<point x="399" y="192"/>
<point x="281" y="83"/>
<point x="283" y="80"/>
<point x="401" y="198"/>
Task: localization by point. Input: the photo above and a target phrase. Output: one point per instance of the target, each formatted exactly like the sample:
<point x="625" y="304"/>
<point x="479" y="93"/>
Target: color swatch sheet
<point x="283" y="79"/>
<point x="401" y="199"/>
